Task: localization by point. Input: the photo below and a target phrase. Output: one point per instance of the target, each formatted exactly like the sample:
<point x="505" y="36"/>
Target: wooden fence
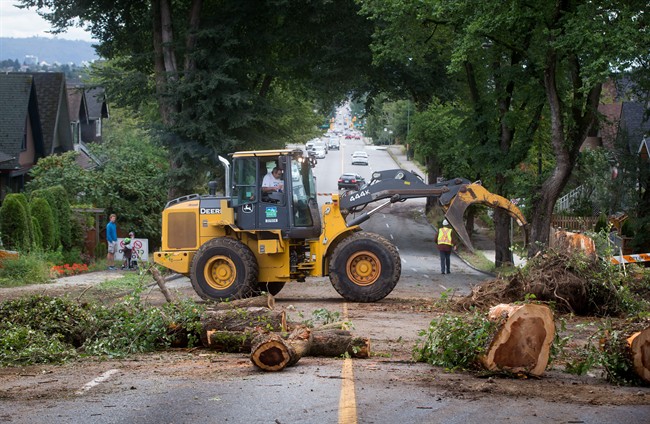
<point x="574" y="223"/>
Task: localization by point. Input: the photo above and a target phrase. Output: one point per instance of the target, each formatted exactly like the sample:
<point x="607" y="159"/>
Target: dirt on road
<point x="393" y="326"/>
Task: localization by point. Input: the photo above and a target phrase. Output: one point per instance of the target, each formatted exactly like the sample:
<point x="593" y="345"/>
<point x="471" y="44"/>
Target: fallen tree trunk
<point x="266" y="301"/>
<point x="242" y="319"/>
<point x="231" y="341"/>
<point x="270" y="352"/>
<point x="337" y="343"/>
<point x="522" y="341"/>
<point x="639" y="349"/>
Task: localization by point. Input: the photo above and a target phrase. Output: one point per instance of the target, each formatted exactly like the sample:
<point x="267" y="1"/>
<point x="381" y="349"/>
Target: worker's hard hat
<point x="445" y="222"/>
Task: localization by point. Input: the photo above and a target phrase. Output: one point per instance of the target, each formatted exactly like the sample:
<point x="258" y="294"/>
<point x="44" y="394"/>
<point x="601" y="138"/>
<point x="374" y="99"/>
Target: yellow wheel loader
<point x="250" y="240"/>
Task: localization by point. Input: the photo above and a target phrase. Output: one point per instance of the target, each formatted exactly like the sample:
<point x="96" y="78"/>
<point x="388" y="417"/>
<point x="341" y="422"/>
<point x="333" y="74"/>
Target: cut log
<point x="242" y="320"/>
<point x="270" y="352"/>
<point x="339" y="342"/>
<point x="231" y="341"/>
<point x="522" y="341"/>
<point x="639" y="347"/>
<point x="266" y="301"/>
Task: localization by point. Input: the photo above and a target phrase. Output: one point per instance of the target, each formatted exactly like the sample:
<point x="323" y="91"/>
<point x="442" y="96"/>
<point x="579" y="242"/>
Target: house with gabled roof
<point x="21" y="136"/>
<point x="78" y="107"/>
<point x="52" y="95"/>
<point x="97" y="112"/>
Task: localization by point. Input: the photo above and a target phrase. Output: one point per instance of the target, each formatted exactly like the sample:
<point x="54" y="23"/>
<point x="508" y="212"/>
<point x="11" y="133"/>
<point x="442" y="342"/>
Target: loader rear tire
<point x="365" y="267"/>
<point x="224" y="268"/>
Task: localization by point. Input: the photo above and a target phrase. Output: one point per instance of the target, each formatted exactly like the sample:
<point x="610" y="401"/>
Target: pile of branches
<point x="574" y="283"/>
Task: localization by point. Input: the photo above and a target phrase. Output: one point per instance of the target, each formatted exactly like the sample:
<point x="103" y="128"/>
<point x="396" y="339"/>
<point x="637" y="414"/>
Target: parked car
<point x="351" y="180"/>
<point x="359" y="158"/>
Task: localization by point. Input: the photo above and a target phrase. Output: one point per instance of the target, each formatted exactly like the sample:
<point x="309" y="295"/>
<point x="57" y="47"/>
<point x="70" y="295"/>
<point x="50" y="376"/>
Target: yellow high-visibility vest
<point x="444" y="236"/>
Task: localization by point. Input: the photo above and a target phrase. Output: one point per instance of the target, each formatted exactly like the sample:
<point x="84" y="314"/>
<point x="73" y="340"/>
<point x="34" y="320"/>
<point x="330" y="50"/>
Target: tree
<point x="13" y="224"/>
<point x="223" y="72"/>
<point x="43" y="215"/>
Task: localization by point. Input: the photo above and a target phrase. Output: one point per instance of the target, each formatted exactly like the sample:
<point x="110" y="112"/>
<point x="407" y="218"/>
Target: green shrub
<point x="42" y="211"/>
<point x="65" y="216"/>
<point x="454" y="342"/>
<point x="37" y="240"/>
<point x="101" y="250"/>
<point x="23" y="200"/>
<point x="52" y="201"/>
<point x="28" y="268"/>
<point x="13" y="221"/>
<point x="601" y="224"/>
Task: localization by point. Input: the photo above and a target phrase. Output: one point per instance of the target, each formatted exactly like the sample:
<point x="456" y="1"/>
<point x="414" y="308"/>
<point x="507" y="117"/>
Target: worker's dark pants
<point x="445" y="262"/>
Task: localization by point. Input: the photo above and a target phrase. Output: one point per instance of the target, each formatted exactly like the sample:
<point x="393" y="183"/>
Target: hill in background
<point x="49" y="50"/>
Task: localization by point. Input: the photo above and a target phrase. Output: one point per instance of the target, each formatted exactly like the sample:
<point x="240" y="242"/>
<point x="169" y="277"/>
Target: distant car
<point x="359" y="158"/>
<point x="309" y="146"/>
<point x="351" y="180"/>
<point x="319" y="152"/>
<point x="334" y="143"/>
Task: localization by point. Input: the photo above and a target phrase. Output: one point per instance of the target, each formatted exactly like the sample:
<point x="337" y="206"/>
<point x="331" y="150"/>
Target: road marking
<point x="414" y="270"/>
<point x="426" y="275"/>
<point x="443" y="287"/>
<point x="347" y="399"/>
<point x="94" y="382"/>
<point x="387" y="226"/>
<point x="391" y="236"/>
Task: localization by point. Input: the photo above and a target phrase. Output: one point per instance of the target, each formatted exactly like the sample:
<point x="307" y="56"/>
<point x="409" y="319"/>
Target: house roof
<point x="635" y="123"/>
<point x="19" y="102"/>
<point x="96" y="100"/>
<point x="53" y="110"/>
<point x="644" y="149"/>
<point x="77" y="104"/>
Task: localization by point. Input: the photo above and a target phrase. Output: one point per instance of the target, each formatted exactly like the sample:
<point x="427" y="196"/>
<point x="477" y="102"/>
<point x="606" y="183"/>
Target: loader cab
<point x="294" y="210"/>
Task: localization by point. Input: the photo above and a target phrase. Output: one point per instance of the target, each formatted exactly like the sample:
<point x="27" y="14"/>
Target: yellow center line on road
<point x="347" y="400"/>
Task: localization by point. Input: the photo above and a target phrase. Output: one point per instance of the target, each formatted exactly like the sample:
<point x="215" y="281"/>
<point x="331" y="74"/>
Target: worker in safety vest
<point x="445" y="245"/>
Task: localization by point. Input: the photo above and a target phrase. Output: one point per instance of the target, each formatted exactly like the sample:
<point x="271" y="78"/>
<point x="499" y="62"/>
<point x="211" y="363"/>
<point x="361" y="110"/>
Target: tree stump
<point x="522" y="341"/>
<point x="639" y="347"/>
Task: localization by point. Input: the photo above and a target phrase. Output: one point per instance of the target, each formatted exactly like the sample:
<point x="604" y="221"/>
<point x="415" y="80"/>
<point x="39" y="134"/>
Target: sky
<point x="24" y="23"/>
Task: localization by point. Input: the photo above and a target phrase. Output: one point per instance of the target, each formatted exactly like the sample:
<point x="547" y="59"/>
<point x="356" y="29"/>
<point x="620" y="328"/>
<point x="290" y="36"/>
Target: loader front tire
<point x="224" y="268"/>
<point x="365" y="267"/>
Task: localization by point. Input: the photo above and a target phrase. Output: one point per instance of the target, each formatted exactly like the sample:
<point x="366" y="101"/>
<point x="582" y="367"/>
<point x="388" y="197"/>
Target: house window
<point x="98" y="128"/>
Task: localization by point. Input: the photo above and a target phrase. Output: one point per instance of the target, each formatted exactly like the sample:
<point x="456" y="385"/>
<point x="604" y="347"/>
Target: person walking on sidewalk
<point x="111" y="239"/>
<point x="445" y="244"/>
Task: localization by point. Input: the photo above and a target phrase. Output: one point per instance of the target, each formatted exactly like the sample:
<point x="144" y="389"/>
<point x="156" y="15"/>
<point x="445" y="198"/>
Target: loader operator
<point x="272" y="181"/>
<point x="445" y="245"/>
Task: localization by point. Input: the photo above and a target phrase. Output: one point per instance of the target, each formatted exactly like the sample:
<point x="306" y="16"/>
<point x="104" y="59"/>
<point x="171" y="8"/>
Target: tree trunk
<point x="502" y="242"/>
<point x="230" y="341"/>
<point x="270" y="352"/>
<point x="638" y="345"/>
<point x="266" y="301"/>
<point x="242" y="320"/>
<point x="522" y="341"/>
<point x="339" y="342"/>
<point x="190" y="41"/>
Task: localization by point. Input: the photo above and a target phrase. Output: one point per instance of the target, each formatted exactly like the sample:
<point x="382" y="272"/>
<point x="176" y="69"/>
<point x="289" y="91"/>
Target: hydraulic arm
<point x="454" y="197"/>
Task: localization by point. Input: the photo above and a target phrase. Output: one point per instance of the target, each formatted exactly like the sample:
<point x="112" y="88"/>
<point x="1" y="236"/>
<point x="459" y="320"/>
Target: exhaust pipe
<point x="226" y="166"/>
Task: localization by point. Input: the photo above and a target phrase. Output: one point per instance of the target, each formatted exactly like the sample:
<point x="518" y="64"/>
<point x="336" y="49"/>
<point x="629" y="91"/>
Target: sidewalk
<point x="398" y="153"/>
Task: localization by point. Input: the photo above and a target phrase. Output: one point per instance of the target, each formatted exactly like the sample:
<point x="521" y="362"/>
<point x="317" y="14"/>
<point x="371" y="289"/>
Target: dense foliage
<point x="43" y="329"/>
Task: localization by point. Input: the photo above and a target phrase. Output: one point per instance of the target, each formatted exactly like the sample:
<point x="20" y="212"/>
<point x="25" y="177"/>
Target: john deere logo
<point x="247" y="208"/>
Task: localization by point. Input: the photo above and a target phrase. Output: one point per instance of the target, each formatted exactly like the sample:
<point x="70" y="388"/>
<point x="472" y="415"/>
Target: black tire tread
<point x="244" y="288"/>
<point x="387" y="281"/>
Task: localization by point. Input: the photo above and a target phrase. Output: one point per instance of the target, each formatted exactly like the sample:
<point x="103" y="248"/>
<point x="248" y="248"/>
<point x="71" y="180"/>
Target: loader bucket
<point x="476" y="194"/>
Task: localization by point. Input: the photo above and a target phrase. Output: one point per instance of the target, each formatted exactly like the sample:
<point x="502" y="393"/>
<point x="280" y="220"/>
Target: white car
<point x="359" y="158"/>
<point x="319" y="152"/>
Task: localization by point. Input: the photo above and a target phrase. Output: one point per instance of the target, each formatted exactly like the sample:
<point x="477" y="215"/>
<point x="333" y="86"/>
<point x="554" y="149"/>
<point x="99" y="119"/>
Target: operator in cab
<point x="272" y="181"/>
